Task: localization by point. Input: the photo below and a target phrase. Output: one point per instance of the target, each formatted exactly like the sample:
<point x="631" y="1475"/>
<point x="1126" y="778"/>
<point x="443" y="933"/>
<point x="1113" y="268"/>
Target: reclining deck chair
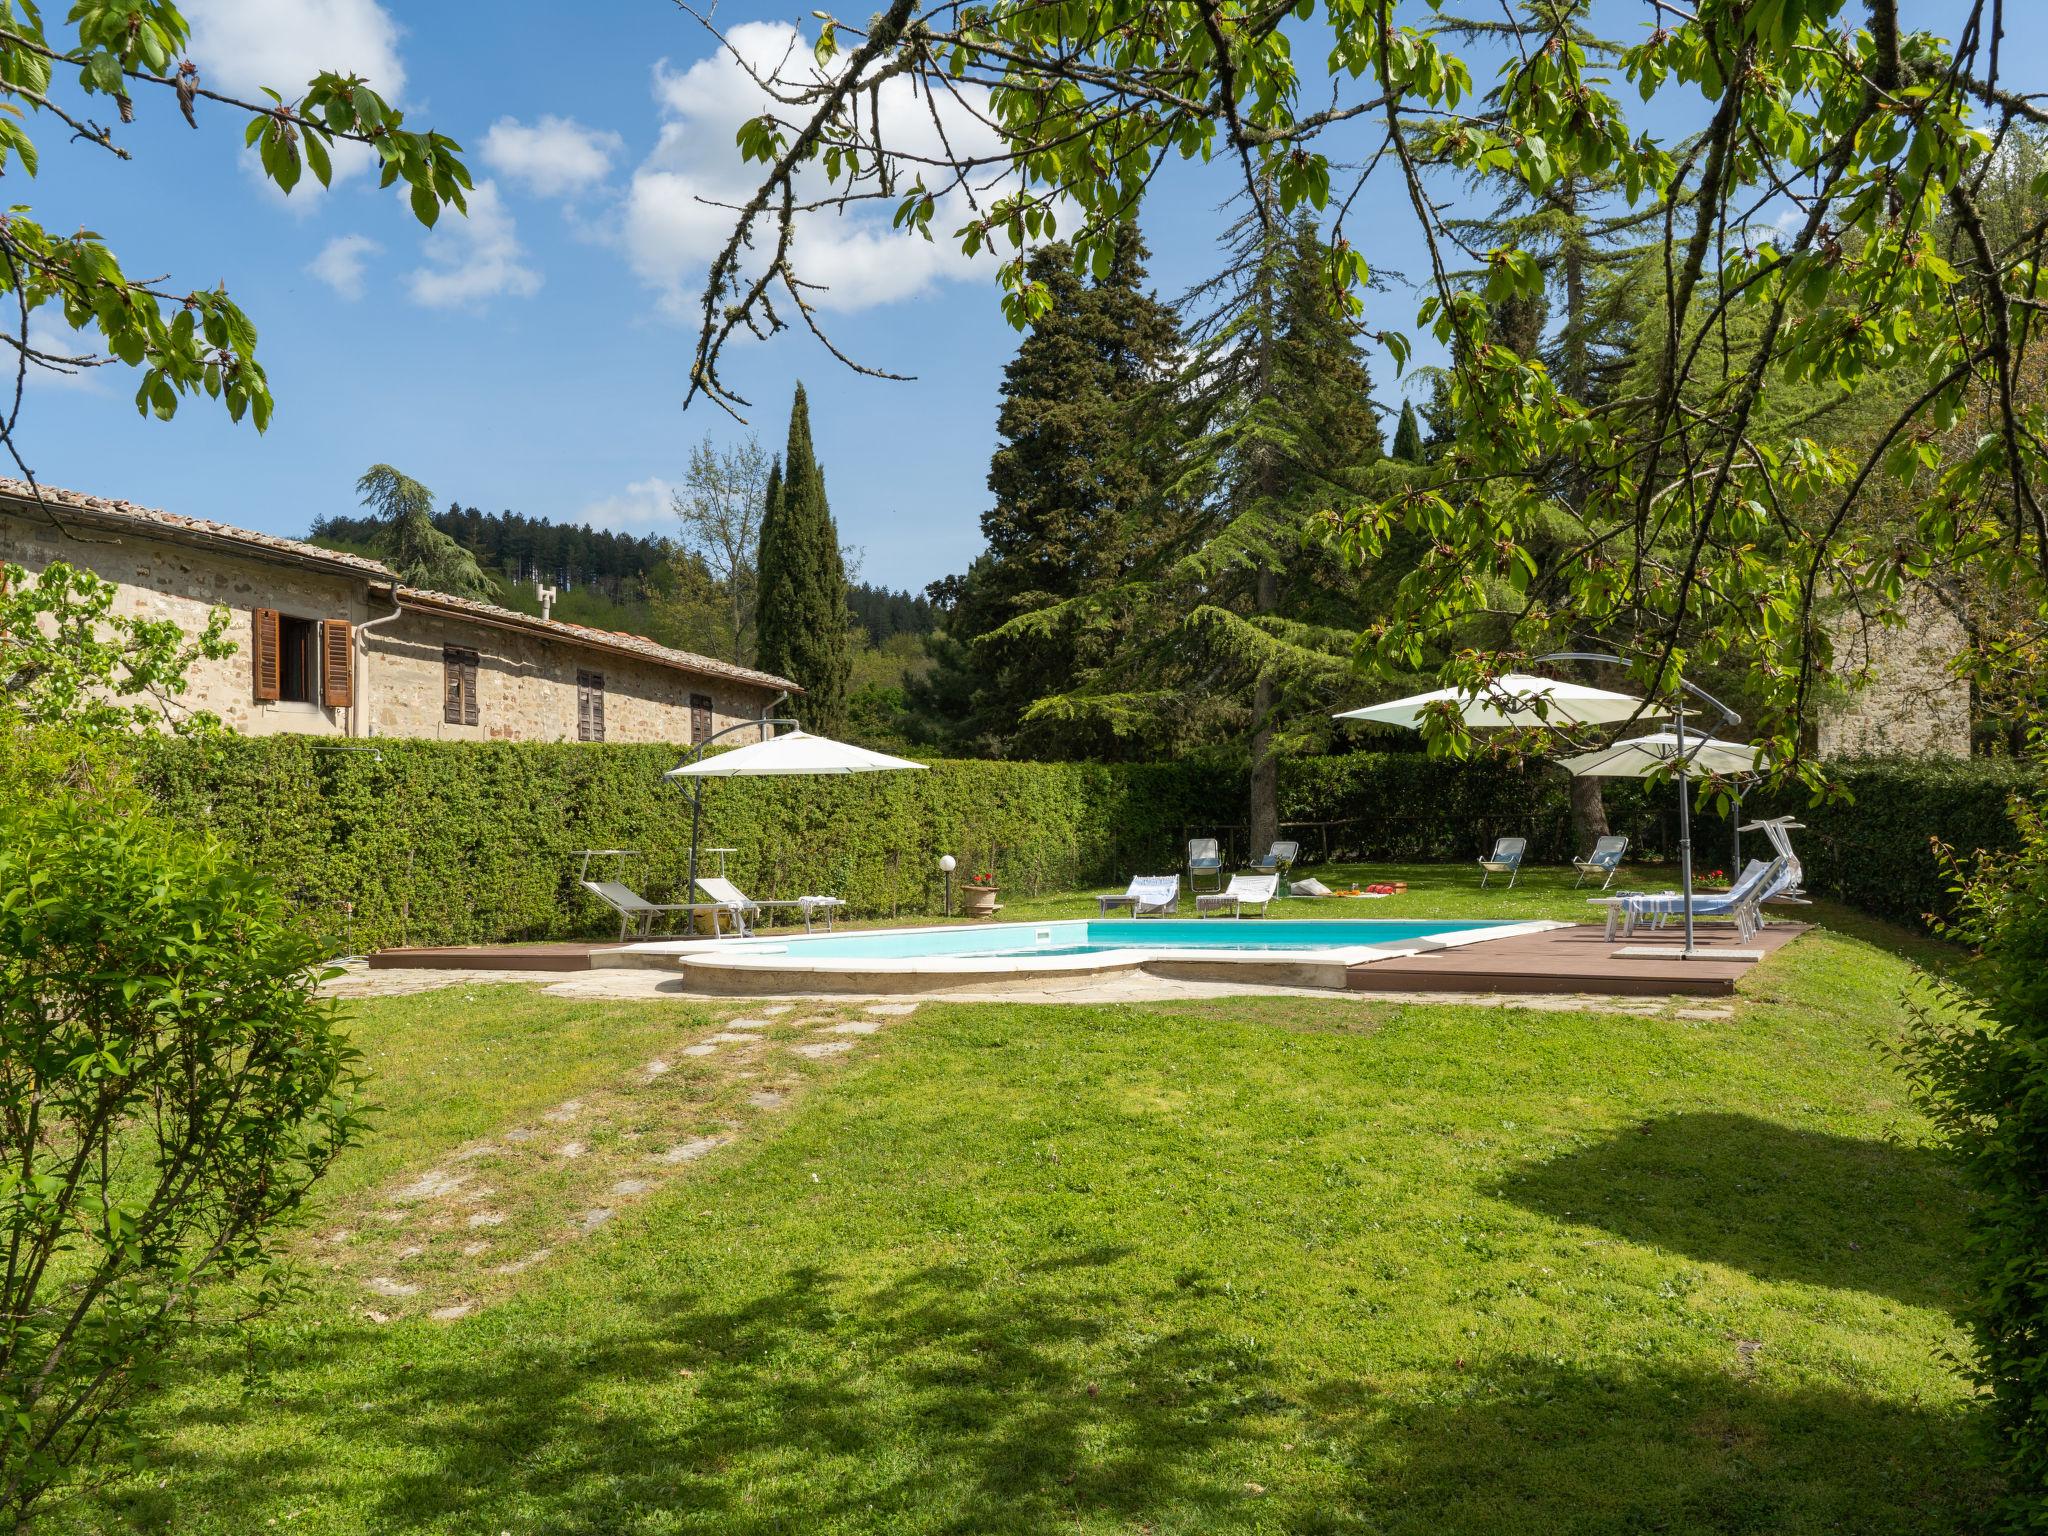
<point x="636" y="912"/>
<point x="1148" y="893"/>
<point x="1243" y="891"/>
<point x="1205" y="857"/>
<point x="1506" y="859"/>
<point x="728" y="897"/>
<point x="1604" y="860"/>
<point x="1277" y="860"/>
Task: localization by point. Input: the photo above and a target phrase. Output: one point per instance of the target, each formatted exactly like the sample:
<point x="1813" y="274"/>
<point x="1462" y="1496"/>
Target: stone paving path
<point x="445" y="1240"/>
<point x="1134" y="988"/>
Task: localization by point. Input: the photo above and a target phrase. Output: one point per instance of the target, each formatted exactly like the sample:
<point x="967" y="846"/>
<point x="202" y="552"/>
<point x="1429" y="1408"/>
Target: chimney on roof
<point x="546" y="595"/>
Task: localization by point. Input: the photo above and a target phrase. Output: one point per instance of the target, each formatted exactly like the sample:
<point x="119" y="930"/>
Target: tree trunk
<point x="1264" y="811"/>
<point x="1589" y="813"/>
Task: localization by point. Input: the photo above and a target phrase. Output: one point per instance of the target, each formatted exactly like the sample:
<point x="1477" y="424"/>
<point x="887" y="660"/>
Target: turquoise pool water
<point x="1077" y="936"/>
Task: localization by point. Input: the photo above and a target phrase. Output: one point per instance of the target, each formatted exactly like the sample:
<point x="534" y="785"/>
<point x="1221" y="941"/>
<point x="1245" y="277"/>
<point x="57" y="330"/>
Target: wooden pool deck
<point x="1575" y="961"/>
<point x="1581" y="960"/>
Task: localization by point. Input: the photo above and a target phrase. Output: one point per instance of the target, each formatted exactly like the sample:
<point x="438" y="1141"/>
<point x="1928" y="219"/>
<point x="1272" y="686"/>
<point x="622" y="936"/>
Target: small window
<point x="700" y="718"/>
<point x="590" y="706"/>
<point x="458" y="680"/>
<point x="286" y="657"/>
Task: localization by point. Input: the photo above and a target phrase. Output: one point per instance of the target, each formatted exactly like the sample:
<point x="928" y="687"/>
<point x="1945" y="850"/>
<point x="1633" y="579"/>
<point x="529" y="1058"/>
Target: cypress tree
<point x="1408" y="436"/>
<point x="802" y="621"/>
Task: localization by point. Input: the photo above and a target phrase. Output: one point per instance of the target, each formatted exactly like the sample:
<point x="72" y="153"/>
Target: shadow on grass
<point x="1781" y="1203"/>
<point x="1523" y="1445"/>
<point x="1036" y="1401"/>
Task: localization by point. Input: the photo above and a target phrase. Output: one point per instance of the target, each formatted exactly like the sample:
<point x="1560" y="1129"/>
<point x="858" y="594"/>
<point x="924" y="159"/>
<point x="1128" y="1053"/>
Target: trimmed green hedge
<point x="423" y="842"/>
<point x="447" y="843"/>
<point x="1874" y="850"/>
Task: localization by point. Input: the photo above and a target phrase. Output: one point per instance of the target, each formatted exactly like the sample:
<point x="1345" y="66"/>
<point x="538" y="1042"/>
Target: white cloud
<point x="643" y="504"/>
<point x="469" y="260"/>
<point x="670" y="231"/>
<point x="554" y="157"/>
<point x="241" y="46"/>
<point x="54" y="338"/>
<point x="340" y="263"/>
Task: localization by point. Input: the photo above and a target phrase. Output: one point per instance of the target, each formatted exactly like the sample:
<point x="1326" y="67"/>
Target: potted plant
<point x="1714" y="880"/>
<point x="978" y="895"/>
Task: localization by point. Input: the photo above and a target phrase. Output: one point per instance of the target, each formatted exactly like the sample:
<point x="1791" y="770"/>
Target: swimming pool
<point x="1285" y="951"/>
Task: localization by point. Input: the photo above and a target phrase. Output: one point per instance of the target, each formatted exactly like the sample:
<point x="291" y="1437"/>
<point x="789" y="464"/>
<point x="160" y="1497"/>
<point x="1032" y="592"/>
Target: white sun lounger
<point x="1148" y="893"/>
<point x="730" y="897"/>
<point x="1243" y="891"/>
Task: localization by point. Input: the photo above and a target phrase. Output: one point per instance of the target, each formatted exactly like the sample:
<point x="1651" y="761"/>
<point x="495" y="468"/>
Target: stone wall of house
<point x="1913" y="704"/>
<point x="526" y="686"/>
<point x="164" y="579"/>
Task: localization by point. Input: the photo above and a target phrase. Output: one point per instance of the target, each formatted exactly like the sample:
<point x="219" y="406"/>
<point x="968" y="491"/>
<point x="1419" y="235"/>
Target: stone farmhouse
<point x="332" y="644"/>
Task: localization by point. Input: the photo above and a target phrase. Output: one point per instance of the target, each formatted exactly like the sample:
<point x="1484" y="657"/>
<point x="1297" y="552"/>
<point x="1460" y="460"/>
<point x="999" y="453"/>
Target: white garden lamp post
<point x="795" y="752"/>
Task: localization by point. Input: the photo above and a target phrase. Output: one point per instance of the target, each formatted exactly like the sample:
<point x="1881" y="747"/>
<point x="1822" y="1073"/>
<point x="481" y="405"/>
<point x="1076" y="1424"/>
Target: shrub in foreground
<point x="1979" y="1061"/>
<point x="170" y="1088"/>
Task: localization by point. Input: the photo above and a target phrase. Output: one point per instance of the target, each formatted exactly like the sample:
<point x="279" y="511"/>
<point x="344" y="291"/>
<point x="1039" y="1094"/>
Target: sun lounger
<point x="1278" y="859"/>
<point x="1757" y="883"/>
<point x="1205" y="857"/>
<point x="1243" y="891"/>
<point x="637" y="913"/>
<point x="1604" y="860"/>
<point x="729" y="896"/>
<point x="1506" y="859"/>
<point x="1148" y="893"/>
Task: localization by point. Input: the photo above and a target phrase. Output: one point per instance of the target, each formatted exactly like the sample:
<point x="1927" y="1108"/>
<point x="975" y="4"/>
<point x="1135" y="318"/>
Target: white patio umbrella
<point x="792" y="752"/>
<point x="796" y="751"/>
<point x="1513" y="698"/>
<point x="1521" y="699"/>
<point x="1642" y="757"/>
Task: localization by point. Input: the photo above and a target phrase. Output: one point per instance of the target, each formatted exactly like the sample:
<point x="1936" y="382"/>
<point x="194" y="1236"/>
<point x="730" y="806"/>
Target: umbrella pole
<point x="696" y="829"/>
<point x="1684" y="825"/>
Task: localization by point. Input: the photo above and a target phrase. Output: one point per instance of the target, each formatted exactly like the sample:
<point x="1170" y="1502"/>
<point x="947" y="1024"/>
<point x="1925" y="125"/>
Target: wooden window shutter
<point x="469" y="689"/>
<point x="458" y="679"/>
<point x="589" y="706"/>
<point x="337" y="663"/>
<point x="700" y="717"/>
<point x="265" y="655"/>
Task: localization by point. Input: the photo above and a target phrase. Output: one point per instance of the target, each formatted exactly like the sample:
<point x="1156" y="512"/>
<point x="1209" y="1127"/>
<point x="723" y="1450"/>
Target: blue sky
<point x="535" y="356"/>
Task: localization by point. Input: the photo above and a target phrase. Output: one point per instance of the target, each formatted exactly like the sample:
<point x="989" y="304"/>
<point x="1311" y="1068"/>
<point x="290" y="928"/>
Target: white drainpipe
<point x="360" y="714"/>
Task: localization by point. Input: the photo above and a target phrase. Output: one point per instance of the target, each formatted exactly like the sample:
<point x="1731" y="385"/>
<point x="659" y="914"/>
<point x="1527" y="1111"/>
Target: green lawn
<point x="1273" y="1265"/>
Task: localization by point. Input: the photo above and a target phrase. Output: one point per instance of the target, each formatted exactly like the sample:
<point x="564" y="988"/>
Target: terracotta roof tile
<point x="105" y="511"/>
<point x="606" y="639"/>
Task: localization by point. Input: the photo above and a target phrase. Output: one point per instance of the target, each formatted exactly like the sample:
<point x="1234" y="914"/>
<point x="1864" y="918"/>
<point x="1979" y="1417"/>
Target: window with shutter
<point x="263" y="654"/>
<point x="458" y="681"/>
<point x="700" y="718"/>
<point x="590" y="706"/>
<point x="337" y="663"/>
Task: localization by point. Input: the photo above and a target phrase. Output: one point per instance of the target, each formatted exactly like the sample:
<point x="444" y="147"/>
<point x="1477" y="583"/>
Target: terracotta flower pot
<point x="978" y="901"/>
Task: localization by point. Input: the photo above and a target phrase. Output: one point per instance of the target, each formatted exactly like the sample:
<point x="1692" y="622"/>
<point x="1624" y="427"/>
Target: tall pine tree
<point x="1241" y="621"/>
<point x="802" y="622"/>
<point x="1068" y="476"/>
